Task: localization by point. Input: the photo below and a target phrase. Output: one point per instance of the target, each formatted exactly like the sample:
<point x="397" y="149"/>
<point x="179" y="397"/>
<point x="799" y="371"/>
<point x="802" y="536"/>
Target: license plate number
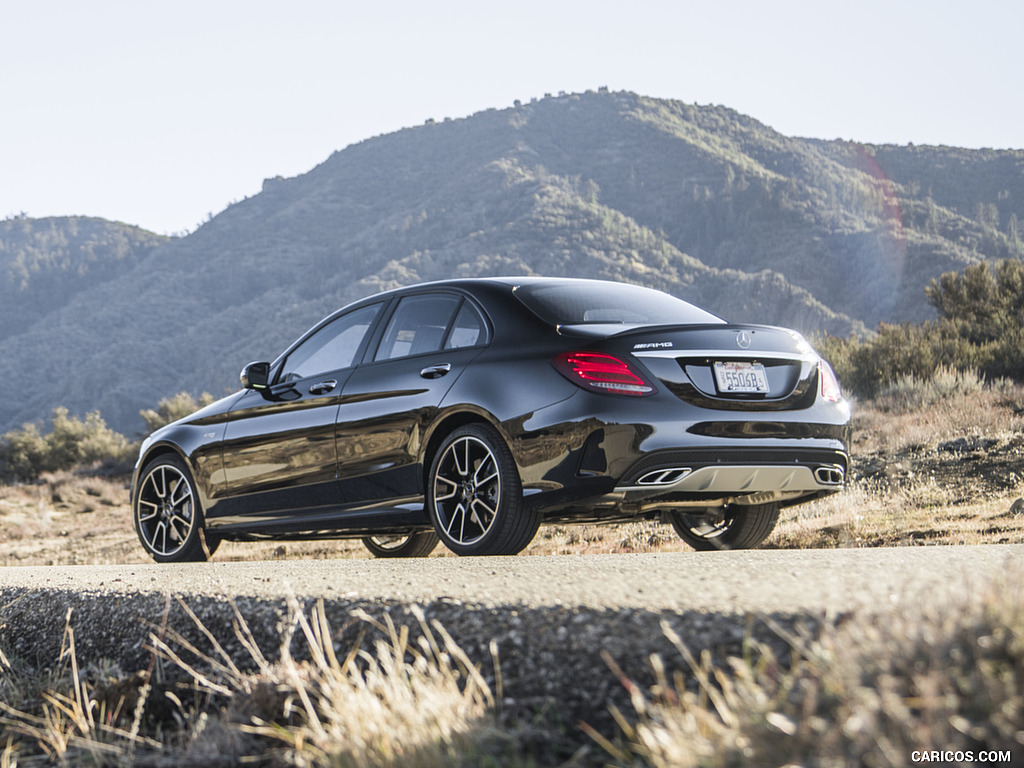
<point x="741" y="378"/>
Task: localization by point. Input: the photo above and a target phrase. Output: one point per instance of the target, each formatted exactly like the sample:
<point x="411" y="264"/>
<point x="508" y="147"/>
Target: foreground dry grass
<point x="405" y="703"/>
<point x="868" y="690"/>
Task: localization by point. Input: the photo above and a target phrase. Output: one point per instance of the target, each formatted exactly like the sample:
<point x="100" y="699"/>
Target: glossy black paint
<point x="344" y="452"/>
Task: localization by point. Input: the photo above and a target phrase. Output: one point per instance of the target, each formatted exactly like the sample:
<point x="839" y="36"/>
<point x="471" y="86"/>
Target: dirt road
<point x="759" y="581"/>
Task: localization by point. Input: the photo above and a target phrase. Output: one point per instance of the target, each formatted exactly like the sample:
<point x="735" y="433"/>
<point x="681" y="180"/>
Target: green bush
<point x="986" y="301"/>
<point x="71" y="442"/>
<point x="26" y="453"/>
<point x="980" y="331"/>
<point x="173" y="408"/>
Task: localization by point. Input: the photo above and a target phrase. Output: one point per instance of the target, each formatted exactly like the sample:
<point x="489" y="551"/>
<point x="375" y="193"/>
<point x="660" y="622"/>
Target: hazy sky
<point x="159" y="113"/>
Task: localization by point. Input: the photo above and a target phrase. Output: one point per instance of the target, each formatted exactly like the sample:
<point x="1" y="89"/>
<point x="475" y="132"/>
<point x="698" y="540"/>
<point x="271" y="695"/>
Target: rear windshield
<point x="582" y="302"/>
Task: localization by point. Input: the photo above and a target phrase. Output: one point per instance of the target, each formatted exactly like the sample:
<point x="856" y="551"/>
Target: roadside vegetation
<point x="980" y="330"/>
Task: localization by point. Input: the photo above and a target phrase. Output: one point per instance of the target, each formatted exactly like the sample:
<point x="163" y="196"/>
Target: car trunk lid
<point x="727" y="366"/>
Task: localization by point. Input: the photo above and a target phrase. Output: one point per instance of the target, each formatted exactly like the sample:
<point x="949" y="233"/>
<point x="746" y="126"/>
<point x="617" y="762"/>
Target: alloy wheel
<point x="731" y="527"/>
<point x="706" y="528"/>
<point x="389" y="542"/>
<point x="415" y="544"/>
<point x="166" y="511"/>
<point x="466" y="490"/>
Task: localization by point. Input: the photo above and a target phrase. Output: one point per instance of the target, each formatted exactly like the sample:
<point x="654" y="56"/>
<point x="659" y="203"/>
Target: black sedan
<point x="472" y="411"/>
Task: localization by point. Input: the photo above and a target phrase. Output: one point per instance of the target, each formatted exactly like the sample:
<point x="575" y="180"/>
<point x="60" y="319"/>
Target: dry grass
<point x="67" y="519"/>
<point x="869" y="691"/>
<point x="916" y="513"/>
<point x="864" y="690"/>
<point x="54" y="717"/>
<point x="929" y="468"/>
<point x="409" y="703"/>
<point x="914" y="416"/>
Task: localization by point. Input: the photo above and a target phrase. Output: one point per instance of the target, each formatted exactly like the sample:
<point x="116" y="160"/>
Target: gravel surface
<point x="759" y="581"/>
<point x="551" y="618"/>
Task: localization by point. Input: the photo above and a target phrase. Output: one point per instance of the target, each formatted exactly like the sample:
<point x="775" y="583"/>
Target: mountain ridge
<point x="703" y="202"/>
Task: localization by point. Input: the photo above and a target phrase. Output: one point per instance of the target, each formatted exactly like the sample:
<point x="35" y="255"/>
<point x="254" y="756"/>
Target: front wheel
<point x="167" y="514"/>
<point x="475" y="497"/>
<point x="737" y="527"/>
<point x="419" y="544"/>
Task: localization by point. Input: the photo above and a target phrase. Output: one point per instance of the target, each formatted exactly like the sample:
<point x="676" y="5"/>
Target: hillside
<point x="700" y="201"/>
<point x="45" y="263"/>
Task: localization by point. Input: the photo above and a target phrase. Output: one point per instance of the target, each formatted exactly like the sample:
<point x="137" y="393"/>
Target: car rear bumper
<point x="679" y="456"/>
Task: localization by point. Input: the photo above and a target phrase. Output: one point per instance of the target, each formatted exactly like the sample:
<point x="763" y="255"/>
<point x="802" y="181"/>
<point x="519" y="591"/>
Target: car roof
<point x="509" y="281"/>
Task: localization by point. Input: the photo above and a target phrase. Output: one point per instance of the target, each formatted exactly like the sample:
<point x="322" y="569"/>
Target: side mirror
<point x="255" y="376"/>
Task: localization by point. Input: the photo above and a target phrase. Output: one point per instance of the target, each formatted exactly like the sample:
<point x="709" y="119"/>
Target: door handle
<point x="323" y="387"/>
<point x="435" y="371"/>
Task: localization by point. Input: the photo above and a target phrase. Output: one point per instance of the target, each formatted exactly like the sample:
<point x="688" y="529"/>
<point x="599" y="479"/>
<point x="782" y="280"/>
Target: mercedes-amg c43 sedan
<point x="472" y="411"/>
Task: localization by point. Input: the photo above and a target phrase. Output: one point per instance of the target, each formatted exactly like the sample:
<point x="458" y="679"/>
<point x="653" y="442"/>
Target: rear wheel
<point x="167" y="514"/>
<point x="737" y="527"/>
<point x="419" y="544"/>
<point x="475" y="497"/>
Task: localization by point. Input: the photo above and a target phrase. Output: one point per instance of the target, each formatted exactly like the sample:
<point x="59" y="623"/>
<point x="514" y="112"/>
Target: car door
<point x="279" y="447"/>
<point x="390" y="401"/>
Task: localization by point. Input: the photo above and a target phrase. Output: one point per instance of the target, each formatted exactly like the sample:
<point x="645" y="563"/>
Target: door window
<point x="418" y="326"/>
<point x="331" y="348"/>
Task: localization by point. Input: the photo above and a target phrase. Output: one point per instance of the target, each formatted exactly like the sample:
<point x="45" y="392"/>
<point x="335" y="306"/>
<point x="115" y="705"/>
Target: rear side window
<point x="468" y="330"/>
<point x="581" y="302"/>
<point x="419" y="326"/>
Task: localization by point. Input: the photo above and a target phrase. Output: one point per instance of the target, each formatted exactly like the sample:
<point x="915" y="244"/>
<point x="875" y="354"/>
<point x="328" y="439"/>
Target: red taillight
<point x="830" y="391"/>
<point x="601" y="373"/>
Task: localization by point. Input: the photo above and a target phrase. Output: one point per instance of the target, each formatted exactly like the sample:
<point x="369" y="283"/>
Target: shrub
<point x="980" y="330"/>
<point x="23" y="453"/>
<point x="911" y="393"/>
<point x="173" y="408"/>
<point x="986" y="300"/>
<point x="26" y="453"/>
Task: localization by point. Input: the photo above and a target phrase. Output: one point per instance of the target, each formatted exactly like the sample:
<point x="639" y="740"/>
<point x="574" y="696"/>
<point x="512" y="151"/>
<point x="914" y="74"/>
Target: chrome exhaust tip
<point x="664" y="476"/>
<point x="829" y="475"/>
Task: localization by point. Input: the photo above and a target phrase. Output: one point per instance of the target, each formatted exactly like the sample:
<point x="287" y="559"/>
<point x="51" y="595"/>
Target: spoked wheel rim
<point x="166" y="510"/>
<point x="401" y="543"/>
<point x="390" y="542"/>
<point x="706" y="528"/>
<point x="466" y="490"/>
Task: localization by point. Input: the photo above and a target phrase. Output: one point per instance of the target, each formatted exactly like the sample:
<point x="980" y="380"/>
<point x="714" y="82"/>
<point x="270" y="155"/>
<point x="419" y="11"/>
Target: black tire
<point x="475" y="496"/>
<point x="419" y="544"/>
<point x="212" y="542"/>
<point x="167" y="514"/>
<point x="741" y="527"/>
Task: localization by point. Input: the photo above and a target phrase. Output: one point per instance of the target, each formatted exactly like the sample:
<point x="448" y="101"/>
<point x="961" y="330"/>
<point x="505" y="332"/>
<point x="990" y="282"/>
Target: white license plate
<point x="733" y="378"/>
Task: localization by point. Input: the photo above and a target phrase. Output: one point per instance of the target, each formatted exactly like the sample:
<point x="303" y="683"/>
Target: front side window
<point x="418" y="326"/>
<point x="331" y="348"/>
